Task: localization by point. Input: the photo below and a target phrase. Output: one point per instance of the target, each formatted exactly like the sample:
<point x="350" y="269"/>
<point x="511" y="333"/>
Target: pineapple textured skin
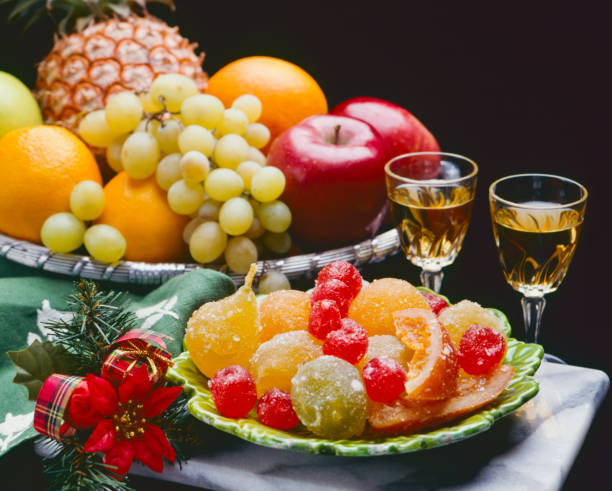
<point x="108" y="57"/>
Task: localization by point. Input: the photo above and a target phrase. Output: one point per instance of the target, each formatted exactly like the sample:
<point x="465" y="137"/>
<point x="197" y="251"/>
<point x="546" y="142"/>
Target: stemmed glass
<point x="537" y="219"/>
<point x="431" y="196"/>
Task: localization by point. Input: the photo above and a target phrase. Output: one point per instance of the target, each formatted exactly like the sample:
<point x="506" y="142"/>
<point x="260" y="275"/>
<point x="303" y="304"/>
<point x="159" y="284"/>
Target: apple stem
<point x="336" y="134"/>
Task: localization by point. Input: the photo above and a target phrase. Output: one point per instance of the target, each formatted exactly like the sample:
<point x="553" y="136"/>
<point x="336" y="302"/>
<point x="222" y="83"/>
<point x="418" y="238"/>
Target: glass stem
<point x="432" y="280"/>
<point x="532" y="316"/>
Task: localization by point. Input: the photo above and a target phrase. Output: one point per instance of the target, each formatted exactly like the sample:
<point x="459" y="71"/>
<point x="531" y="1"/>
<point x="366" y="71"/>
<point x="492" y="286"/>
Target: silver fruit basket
<point x="141" y="273"/>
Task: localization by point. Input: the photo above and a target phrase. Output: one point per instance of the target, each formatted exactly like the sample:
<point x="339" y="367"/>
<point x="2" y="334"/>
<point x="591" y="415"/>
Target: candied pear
<point x="225" y="332"/>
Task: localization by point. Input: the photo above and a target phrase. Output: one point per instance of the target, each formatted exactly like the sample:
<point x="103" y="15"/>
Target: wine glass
<point x="537" y="219"/>
<point x="430" y="196"/>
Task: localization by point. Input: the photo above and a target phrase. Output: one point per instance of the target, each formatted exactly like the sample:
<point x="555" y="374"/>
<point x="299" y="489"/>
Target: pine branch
<point x="181" y="428"/>
<point x="99" y="319"/>
<point x="72" y="469"/>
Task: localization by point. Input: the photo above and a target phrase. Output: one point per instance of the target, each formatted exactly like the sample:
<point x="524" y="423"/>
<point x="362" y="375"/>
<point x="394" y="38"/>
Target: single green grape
<point x="257" y="135"/>
<point x="123" y="112"/>
<point x="202" y="109"/>
<point x="267" y="184"/>
<point x="185" y="197"/>
<point x="223" y="184"/>
<point x="196" y="138"/>
<point x="105" y="243"/>
<point x="236" y="216"/>
<point x="275" y="216"/>
<point x="250" y="105"/>
<point x="173" y="89"/>
<point x="140" y="155"/>
<point x="230" y="151"/>
<point x="62" y="232"/>
<point x="168" y="171"/>
<point x="240" y="253"/>
<point x="87" y="200"/>
<point x="207" y="242"/>
<point x="94" y="129"/>
<point x="234" y="122"/>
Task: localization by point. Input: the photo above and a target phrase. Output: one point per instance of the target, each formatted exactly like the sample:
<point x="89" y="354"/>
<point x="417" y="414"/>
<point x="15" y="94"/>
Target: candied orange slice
<point x="433" y="368"/>
<point x="405" y="416"/>
<point x="374" y="305"/>
<point x="283" y="311"/>
<point x="458" y="317"/>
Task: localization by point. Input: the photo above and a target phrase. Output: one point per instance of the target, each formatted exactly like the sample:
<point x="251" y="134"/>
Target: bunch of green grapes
<point x="67" y="231"/>
<point x="209" y="161"/>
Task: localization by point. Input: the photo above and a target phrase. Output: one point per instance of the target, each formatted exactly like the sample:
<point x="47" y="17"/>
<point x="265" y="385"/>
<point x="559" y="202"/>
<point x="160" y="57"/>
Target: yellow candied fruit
<point x="283" y="311"/>
<point x="276" y="361"/>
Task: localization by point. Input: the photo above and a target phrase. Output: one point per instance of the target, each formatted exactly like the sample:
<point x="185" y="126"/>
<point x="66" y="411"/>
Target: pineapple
<point x="112" y="49"/>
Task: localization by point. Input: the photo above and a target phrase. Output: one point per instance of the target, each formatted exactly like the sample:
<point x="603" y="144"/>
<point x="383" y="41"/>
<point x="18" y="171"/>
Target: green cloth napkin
<point x="26" y="302"/>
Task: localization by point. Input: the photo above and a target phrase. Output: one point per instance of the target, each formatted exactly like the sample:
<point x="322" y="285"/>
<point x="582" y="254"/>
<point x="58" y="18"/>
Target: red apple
<point x="402" y="132"/>
<point x="334" y="168"/>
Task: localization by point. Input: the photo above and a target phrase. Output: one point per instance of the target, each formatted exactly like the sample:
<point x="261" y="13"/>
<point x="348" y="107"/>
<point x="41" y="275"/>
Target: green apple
<point x="18" y="107"/>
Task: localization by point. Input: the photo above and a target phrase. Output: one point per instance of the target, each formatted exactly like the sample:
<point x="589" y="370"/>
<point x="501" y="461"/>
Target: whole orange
<point x="288" y="94"/>
<point x="139" y="210"/>
<point x="39" y="166"/>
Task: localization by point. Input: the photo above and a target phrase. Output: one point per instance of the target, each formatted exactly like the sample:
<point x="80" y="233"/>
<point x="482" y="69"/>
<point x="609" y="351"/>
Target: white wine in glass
<point x="537" y="220"/>
<point x="431" y="215"/>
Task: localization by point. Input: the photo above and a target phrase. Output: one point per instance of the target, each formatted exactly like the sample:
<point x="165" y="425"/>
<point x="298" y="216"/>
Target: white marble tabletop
<point x="533" y="448"/>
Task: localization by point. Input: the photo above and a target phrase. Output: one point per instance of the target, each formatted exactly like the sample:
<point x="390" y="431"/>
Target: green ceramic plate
<point x="525" y="358"/>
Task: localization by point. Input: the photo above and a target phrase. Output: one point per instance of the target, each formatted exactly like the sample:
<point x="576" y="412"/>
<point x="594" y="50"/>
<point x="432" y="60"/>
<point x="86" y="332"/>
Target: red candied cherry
<point x="481" y="349"/>
<point x="343" y="271"/>
<point x="350" y="342"/>
<point x="275" y="410"/>
<point x="383" y="378"/>
<point x="324" y="318"/>
<point x="436" y="302"/>
<point x="335" y="290"/>
<point x="233" y="391"/>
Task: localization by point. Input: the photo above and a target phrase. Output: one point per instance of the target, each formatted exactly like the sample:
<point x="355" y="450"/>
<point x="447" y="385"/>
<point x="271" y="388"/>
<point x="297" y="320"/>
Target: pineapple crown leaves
<point x="75" y="15"/>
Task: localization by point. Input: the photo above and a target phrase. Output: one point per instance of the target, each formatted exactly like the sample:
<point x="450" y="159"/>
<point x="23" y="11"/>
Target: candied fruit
<point x="436" y="302"/>
<point x="458" y="317"/>
<point x="329" y="398"/>
<point x="350" y="342"/>
<point x="404" y="415"/>
<point x="433" y="368"/>
<point x="324" y="318"/>
<point x="275" y="410"/>
<point x="374" y="306"/>
<point x="233" y="391"/>
<point x="343" y="271"/>
<point x="389" y="346"/>
<point x="335" y="290"/>
<point x="225" y="332"/>
<point x="283" y="311"/>
<point x="276" y="361"/>
<point x="481" y="350"/>
<point x="383" y="378"/>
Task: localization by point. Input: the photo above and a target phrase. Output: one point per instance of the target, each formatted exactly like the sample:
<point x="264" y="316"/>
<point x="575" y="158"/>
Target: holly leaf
<point x="37" y="362"/>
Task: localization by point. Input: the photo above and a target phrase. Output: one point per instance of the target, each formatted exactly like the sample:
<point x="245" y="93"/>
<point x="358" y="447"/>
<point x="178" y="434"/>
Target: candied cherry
<point x="436" y="302"/>
<point x="350" y="342"/>
<point x="343" y="271"/>
<point x="233" y="391"/>
<point x="324" y="318"/>
<point x="383" y="378"/>
<point x="275" y="410"/>
<point x="335" y="290"/>
<point x="481" y="349"/>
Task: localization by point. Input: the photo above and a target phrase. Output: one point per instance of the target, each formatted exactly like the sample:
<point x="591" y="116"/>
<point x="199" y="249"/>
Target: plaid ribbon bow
<point x="51" y="404"/>
<point x="136" y="348"/>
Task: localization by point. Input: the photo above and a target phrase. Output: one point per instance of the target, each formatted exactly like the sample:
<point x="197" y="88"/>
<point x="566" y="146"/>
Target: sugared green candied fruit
<point x="329" y="398"/>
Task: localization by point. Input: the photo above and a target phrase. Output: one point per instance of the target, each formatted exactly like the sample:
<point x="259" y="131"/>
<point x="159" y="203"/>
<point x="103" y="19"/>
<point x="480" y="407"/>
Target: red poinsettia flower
<point x="121" y="417"/>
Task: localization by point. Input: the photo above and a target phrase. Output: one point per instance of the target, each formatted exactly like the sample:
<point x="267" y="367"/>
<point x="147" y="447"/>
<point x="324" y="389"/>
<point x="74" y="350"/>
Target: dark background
<point x="517" y="87"/>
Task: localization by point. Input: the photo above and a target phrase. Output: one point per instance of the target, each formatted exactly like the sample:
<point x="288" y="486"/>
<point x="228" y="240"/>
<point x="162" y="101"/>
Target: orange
<point x="283" y="311"/>
<point x="374" y="305"/>
<point x="139" y="210"/>
<point x="433" y="367"/>
<point x="288" y="94"/>
<point x="39" y="166"/>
